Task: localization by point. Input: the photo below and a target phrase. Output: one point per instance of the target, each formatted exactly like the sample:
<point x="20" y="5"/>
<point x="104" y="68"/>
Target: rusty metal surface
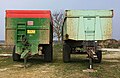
<point x="107" y="28"/>
<point x="9" y="37"/>
<point x="71" y="29"/>
<point x="44" y="36"/>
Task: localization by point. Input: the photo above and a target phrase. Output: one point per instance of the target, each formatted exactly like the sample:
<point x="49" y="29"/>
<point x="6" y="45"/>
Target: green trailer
<point x="83" y="30"/>
<point x="30" y="32"/>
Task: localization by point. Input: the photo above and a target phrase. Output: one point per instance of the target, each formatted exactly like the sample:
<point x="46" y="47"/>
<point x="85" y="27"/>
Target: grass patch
<point x="6" y="49"/>
<point x="59" y="69"/>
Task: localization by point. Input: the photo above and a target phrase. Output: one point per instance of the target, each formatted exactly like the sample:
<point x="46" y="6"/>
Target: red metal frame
<point x="28" y="13"/>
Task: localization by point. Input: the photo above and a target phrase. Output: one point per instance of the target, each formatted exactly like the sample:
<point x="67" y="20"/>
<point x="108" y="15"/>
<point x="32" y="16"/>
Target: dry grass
<point x="57" y="69"/>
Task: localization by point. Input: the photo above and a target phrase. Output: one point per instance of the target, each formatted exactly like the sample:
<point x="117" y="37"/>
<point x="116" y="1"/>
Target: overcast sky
<point x="61" y="5"/>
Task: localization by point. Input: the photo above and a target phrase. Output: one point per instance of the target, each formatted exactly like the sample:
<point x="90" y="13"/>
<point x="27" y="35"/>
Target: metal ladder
<point x="21" y="32"/>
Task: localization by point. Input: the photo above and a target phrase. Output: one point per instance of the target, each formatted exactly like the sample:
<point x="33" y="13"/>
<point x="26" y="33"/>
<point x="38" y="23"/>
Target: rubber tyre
<point x="66" y="53"/>
<point x="99" y="56"/>
<point x="48" y="53"/>
<point x="16" y="57"/>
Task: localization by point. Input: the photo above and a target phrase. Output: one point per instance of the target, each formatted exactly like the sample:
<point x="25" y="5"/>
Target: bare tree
<point x="58" y="19"/>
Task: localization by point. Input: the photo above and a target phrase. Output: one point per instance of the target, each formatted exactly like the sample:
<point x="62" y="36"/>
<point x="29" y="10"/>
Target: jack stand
<point x="25" y="61"/>
<point x="90" y="55"/>
<point x="90" y="63"/>
<point x="90" y="66"/>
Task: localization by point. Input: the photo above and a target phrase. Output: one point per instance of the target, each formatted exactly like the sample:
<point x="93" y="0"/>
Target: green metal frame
<point x="28" y="42"/>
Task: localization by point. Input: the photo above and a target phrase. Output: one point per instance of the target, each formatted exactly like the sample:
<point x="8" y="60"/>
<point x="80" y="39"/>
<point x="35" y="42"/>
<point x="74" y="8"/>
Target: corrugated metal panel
<point x="88" y="24"/>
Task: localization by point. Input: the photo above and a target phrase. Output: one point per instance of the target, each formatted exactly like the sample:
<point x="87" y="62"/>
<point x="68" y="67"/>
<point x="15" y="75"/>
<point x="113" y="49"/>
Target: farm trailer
<point x="30" y="32"/>
<point x="83" y="30"/>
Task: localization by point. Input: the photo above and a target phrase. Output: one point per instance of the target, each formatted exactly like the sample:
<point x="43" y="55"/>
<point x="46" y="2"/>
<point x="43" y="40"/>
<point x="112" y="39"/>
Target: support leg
<point x="25" y="62"/>
<point x="90" y="63"/>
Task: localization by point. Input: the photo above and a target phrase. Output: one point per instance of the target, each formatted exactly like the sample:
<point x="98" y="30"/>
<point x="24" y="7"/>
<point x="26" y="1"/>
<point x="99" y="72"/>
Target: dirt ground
<point x="37" y="68"/>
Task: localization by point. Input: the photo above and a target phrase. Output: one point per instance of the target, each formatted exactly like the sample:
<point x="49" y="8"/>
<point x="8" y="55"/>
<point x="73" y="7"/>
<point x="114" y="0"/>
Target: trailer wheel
<point x="16" y="57"/>
<point x="66" y="53"/>
<point x="99" y="56"/>
<point x="48" y="53"/>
